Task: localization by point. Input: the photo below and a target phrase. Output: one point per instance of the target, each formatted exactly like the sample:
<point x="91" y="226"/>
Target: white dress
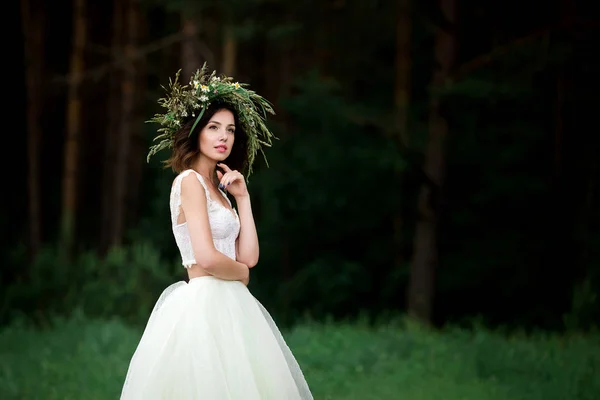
<point x="210" y="339"/>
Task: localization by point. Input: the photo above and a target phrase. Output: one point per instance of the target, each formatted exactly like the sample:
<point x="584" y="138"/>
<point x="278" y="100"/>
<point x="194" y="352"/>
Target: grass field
<point x="82" y="359"/>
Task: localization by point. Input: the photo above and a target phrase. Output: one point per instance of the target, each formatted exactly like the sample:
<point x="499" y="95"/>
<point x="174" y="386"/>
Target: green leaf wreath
<point x="185" y="101"/>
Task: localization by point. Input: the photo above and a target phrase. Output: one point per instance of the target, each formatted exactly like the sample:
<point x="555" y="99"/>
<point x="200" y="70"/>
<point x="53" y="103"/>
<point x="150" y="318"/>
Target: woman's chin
<point x="216" y="156"/>
<point x="220" y="157"/>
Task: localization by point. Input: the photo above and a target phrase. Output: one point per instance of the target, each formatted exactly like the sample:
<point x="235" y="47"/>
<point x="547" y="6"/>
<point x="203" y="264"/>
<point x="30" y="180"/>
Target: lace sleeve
<point x="175" y="198"/>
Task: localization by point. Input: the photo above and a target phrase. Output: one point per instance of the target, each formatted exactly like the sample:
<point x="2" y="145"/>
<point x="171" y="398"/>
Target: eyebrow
<point x="218" y="123"/>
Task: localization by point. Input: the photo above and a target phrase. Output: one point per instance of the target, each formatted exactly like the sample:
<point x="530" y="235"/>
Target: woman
<point x="210" y="338"/>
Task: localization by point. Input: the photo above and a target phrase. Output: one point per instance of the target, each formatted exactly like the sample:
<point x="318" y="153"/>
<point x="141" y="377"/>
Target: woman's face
<point x="216" y="138"/>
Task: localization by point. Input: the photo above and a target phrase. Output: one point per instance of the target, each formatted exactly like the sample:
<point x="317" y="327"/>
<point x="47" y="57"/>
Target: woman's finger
<point x="224" y="180"/>
<point x="225" y="167"/>
<point x="228" y="179"/>
<point x="234" y="176"/>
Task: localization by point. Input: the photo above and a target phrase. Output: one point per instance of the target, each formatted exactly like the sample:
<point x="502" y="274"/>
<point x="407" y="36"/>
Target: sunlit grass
<point x="81" y="359"/>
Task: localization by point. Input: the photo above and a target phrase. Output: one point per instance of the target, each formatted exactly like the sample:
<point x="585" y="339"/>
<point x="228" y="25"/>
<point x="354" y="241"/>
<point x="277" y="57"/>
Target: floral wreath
<point x="184" y="101"/>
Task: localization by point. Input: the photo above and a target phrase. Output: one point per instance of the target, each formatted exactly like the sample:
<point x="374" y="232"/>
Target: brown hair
<point x="185" y="146"/>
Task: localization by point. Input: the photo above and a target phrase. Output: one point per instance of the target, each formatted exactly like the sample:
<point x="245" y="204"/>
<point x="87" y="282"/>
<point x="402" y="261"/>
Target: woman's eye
<point x="232" y="130"/>
<point x="213" y="127"/>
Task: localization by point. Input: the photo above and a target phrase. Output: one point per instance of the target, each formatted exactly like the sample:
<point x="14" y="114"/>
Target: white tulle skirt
<point x="210" y="339"/>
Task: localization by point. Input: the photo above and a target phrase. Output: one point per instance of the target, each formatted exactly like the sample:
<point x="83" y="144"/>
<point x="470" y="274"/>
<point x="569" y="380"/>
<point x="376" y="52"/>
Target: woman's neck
<point x="206" y="168"/>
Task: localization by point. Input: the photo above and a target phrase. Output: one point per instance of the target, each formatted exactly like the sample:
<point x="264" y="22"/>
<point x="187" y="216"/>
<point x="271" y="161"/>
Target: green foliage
<point x="336" y="181"/>
<point x="125" y="283"/>
<point x="326" y="190"/>
<point x="82" y="358"/>
<point x="583" y="307"/>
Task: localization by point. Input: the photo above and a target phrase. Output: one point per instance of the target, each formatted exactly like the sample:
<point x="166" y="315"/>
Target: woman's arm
<point x="247" y="247"/>
<point x="194" y="205"/>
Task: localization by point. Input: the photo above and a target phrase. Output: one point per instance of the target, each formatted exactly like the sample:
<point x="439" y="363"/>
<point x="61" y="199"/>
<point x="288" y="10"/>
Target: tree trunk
<point x="71" y="156"/>
<point x="138" y="144"/>
<point x="32" y="31"/>
<point x="567" y="12"/>
<point x="229" y="51"/>
<point x="401" y="102"/>
<point x="287" y="62"/>
<point x="112" y="133"/>
<point x="559" y="129"/>
<point x="127" y="121"/>
<point x="580" y="186"/>
<point x="269" y="68"/>
<point x="191" y="58"/>
<point x="425" y="256"/>
<point x="403" y="68"/>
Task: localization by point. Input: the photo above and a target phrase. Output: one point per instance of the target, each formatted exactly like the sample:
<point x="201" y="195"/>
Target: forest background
<point x="436" y="169"/>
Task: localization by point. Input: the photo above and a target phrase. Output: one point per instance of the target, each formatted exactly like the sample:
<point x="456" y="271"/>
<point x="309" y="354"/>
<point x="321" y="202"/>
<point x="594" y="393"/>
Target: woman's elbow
<point x="207" y="262"/>
<point x="251" y="261"/>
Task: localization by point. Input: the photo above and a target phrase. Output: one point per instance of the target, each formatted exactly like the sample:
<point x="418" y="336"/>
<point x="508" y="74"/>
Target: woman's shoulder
<point x="177" y="183"/>
<point x="189" y="180"/>
<point x="179" y="177"/>
<point x="185" y="173"/>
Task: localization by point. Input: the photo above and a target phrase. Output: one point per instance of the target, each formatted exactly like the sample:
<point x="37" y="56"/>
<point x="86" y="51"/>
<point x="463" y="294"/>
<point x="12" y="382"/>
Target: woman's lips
<point x="221" y="148"/>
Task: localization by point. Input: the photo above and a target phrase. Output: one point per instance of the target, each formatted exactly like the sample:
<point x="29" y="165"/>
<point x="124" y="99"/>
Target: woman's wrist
<point x="245" y="273"/>
<point x="242" y="197"/>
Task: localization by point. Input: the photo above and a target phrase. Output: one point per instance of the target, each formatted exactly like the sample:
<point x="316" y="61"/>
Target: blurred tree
<point x="229" y="51"/>
<point x="128" y="120"/>
<point x="137" y="153"/>
<point x="32" y="23"/>
<point x="425" y="257"/>
<point x="72" y="139"/>
<point x="403" y="68"/>
<point x="122" y="145"/>
<point x="111" y="135"/>
<point x="350" y="82"/>
<point x="402" y="87"/>
<point x="191" y="57"/>
<point x="576" y="80"/>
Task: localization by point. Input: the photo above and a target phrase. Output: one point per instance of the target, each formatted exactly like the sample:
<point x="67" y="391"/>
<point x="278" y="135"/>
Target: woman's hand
<point x="232" y="181"/>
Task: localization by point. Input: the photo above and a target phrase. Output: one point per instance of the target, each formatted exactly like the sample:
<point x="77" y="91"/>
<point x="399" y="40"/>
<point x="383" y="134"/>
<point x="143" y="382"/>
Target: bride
<point x="210" y="338"/>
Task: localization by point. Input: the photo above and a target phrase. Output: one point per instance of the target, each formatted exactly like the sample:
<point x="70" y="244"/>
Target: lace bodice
<point x="224" y="225"/>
